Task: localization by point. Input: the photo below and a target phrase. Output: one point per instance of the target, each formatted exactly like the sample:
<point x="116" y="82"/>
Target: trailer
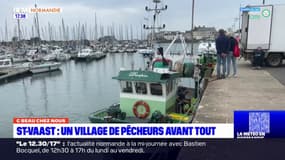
<point x="264" y="26"/>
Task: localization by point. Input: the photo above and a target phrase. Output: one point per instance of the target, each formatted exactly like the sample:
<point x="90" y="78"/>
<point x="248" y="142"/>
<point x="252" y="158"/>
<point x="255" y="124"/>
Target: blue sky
<point x="216" y="13"/>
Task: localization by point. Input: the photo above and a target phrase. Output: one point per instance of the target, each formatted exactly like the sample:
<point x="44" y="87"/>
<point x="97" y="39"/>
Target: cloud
<point x="219" y="13"/>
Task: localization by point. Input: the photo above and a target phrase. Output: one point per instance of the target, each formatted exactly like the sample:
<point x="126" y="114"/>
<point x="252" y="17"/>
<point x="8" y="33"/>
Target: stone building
<point x="201" y="33"/>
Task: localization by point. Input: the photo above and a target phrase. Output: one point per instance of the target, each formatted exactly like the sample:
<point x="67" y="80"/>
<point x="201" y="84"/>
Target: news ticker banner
<point x="43" y="128"/>
<point x="247" y="124"/>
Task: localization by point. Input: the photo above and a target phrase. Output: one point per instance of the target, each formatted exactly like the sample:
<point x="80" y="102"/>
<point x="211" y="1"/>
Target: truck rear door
<point x="244" y="29"/>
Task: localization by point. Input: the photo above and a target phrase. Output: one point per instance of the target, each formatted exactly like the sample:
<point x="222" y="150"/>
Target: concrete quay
<point x="251" y="90"/>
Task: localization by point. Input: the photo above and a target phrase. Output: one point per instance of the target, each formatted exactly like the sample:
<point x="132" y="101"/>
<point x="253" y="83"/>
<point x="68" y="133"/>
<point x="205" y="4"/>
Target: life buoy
<point x="139" y="115"/>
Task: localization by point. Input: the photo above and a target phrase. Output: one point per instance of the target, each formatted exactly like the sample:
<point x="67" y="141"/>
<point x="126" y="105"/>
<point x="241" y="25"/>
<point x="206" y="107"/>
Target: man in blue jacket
<point x="222" y="43"/>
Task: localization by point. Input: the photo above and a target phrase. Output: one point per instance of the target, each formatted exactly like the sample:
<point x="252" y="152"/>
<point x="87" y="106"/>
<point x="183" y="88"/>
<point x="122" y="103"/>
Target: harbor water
<point x="75" y="91"/>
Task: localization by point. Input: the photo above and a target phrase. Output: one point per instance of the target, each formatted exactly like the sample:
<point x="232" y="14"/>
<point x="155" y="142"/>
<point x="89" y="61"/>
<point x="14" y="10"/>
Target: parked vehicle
<point x="263" y="26"/>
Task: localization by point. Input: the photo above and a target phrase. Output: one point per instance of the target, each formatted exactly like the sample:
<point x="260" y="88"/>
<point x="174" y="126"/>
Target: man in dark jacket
<point x="222" y="43"/>
<point x="258" y="58"/>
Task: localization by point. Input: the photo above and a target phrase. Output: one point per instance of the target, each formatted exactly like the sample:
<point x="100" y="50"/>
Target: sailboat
<point x="38" y="66"/>
<point x="207" y="47"/>
<point x="86" y="54"/>
<point x="146" y="52"/>
<point x="5" y="64"/>
<point x="99" y="55"/>
<point x="44" y="67"/>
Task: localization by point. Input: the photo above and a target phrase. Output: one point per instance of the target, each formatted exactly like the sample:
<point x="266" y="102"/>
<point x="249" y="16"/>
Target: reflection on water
<point x="41" y="76"/>
<point x="45" y="97"/>
<point x="75" y="91"/>
<point x="28" y="112"/>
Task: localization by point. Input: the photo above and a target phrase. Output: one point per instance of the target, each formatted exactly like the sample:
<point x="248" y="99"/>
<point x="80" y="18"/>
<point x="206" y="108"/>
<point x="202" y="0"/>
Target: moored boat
<point x="33" y="55"/>
<point x="122" y="50"/>
<point x="146" y="52"/>
<point x="63" y="57"/>
<point x="130" y="50"/>
<point x="44" y="67"/>
<point x="148" y="96"/>
<point x="156" y="95"/>
<point x="49" y="57"/>
<point x="99" y="55"/>
<point x="5" y="64"/>
<point x="207" y="47"/>
<point x="86" y="54"/>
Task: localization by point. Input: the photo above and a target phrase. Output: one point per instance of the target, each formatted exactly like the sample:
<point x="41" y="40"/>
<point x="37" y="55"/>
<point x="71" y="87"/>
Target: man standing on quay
<point x="222" y="43"/>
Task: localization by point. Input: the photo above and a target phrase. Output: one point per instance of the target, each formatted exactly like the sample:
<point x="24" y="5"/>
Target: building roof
<point x="146" y="76"/>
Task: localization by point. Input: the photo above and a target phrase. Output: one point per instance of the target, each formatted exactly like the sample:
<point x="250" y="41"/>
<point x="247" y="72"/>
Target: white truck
<point x="264" y="26"/>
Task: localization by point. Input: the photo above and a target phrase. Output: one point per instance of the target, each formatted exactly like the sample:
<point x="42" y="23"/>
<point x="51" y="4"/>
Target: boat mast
<point x="60" y="35"/>
<point x="156" y="11"/>
<point x="127" y="32"/>
<point x="63" y="30"/>
<point x="113" y="30"/>
<point x="49" y="31"/>
<point x="19" y="30"/>
<point x="6" y="31"/>
<point x="2" y="35"/>
<point x="37" y="23"/>
<point x="67" y="33"/>
<point x="121" y="32"/>
<point x="96" y="28"/>
<point x="131" y="30"/>
<point x="142" y="36"/>
<point x="19" y="33"/>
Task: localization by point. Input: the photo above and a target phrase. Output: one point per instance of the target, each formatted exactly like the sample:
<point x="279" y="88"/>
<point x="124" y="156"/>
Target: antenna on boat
<point x="156" y="11"/>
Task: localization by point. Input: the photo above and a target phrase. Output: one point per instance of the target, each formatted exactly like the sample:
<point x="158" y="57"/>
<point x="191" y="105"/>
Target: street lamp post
<point x="192" y="27"/>
<point x="196" y="94"/>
